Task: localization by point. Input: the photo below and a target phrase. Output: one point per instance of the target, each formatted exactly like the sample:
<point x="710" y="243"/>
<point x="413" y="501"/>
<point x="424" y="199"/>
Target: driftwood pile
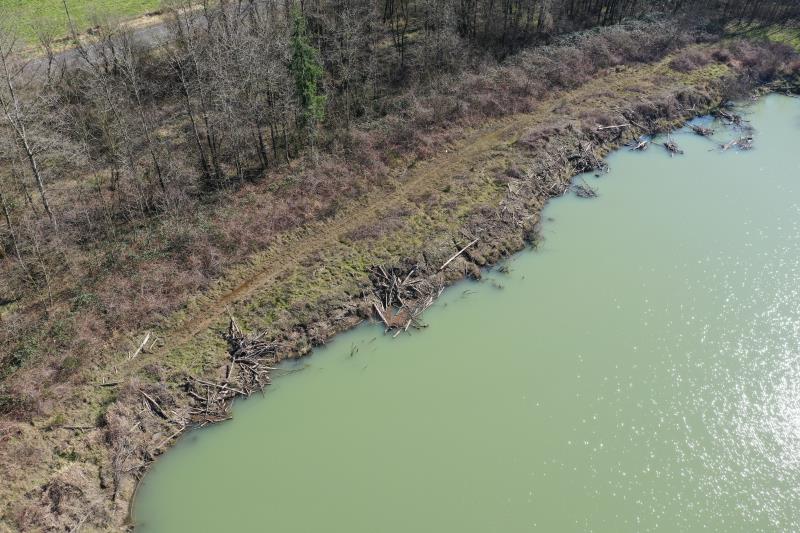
<point x="251" y="360"/>
<point x="213" y="401"/>
<point x="584" y="159"/>
<point x="400" y="298"/>
<point x="545" y="181"/>
<point x="745" y="140"/>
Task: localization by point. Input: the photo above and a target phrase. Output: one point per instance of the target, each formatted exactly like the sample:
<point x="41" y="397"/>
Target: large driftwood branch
<point x="461" y="251"/>
<point x="614" y="127"/>
<point x="140" y="348"/>
<point x="222" y="387"/>
<point x="154" y="406"/>
<point x="380" y="314"/>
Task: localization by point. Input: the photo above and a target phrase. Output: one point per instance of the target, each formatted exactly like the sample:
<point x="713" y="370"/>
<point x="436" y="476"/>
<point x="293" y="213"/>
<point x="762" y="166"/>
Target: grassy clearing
<point x="776" y="34"/>
<point x="25" y="16"/>
<point x="784" y="35"/>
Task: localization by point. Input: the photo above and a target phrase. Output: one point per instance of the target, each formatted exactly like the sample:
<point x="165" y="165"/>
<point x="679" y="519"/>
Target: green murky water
<point x="640" y="372"/>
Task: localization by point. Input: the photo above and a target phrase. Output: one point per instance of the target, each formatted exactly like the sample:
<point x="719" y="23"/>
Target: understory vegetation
<point x="135" y="171"/>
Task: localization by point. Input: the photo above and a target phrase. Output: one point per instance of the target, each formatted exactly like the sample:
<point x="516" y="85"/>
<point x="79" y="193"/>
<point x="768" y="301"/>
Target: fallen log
<point x="154" y="406"/>
<point x="380" y="314"/>
<point x="222" y="387"/>
<point x="461" y="251"/>
<point x="614" y="127"/>
<point x="165" y="441"/>
<point x="584" y="190"/>
<point x="140" y="348"/>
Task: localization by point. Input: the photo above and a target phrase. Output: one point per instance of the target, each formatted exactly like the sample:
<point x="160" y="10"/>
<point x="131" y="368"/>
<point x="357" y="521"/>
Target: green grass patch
<point x="26" y="17"/>
<point x="788" y="36"/>
<point x="776" y="34"/>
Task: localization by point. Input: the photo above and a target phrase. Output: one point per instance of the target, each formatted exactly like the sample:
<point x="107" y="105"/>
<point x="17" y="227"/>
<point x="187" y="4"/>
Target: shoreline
<point x="472" y="265"/>
<point x="532" y="242"/>
<point x="493" y="187"/>
<point x="621" y="291"/>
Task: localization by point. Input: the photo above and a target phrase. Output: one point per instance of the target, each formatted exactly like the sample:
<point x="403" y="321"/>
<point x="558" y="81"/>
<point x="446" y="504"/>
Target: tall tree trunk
<point x="14" y="241"/>
<point x="274" y="142"/>
<point x="262" y="149"/>
<point x="14" y="115"/>
<point x="190" y="111"/>
<point x="20" y="179"/>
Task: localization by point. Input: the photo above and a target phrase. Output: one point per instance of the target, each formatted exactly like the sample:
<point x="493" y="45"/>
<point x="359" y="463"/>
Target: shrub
<point x="14" y="405"/>
<point x="721" y="56"/>
<point x="69" y="365"/>
<point x="55" y="422"/>
<point x="689" y="60"/>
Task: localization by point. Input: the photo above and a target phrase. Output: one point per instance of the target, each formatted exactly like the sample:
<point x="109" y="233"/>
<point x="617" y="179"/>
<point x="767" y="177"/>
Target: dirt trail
<point x="463" y="156"/>
<point x="428" y="175"/>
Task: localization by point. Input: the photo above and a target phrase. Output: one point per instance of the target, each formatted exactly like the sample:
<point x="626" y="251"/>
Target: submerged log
<point x="640" y="145"/>
<point x="727" y="115"/>
<point x="744" y="143"/>
<point x="672" y="147"/>
<point x="702" y="131"/>
<point x="584" y="190"/>
<point x="730" y="118"/>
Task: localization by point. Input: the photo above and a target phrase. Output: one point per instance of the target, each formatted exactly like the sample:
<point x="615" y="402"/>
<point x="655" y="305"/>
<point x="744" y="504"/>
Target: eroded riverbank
<point x="627" y="377"/>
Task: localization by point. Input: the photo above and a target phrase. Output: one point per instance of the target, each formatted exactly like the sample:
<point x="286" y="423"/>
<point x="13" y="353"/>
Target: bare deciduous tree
<point x="17" y="115"/>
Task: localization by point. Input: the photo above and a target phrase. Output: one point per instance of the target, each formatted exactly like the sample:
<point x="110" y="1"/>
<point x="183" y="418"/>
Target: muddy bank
<point x="491" y="187"/>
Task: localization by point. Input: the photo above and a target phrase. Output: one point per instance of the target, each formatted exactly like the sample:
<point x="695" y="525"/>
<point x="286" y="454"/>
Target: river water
<point x="639" y="372"/>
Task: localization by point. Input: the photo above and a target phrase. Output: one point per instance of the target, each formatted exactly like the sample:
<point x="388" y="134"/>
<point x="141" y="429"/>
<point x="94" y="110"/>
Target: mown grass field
<point x="23" y="16"/>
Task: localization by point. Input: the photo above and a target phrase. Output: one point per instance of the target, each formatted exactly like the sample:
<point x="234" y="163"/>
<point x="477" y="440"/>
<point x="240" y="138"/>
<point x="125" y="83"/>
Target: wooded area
<point x="125" y="142"/>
